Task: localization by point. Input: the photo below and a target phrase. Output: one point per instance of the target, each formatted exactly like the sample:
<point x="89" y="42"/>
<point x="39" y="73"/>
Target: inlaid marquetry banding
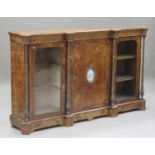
<point x="142" y="68"/>
<point x="26" y="109"/>
<point x="114" y="64"/>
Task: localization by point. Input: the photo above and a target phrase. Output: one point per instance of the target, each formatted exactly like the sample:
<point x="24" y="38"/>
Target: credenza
<point x="59" y="77"/>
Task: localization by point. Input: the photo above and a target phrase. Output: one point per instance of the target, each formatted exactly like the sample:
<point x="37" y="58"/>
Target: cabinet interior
<point x="125" y="69"/>
<point x="125" y="89"/>
<point x="126" y="47"/>
<point x="47" y="80"/>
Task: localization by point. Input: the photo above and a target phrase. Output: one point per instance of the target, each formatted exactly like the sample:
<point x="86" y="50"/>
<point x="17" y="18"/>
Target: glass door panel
<point x="126" y="69"/>
<point x="47" y="80"/>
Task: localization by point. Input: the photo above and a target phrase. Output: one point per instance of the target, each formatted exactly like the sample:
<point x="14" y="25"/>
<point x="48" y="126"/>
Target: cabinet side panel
<point x="17" y="79"/>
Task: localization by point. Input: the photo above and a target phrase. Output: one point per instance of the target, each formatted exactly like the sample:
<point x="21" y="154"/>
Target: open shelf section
<point x="124" y="78"/>
<point x="126" y="47"/>
<point x="126" y="69"/>
<point x="125" y="90"/>
<point x="123" y="97"/>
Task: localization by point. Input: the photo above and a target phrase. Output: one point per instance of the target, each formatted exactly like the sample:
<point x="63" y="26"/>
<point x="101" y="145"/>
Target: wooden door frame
<point x="137" y="39"/>
<point x="31" y="79"/>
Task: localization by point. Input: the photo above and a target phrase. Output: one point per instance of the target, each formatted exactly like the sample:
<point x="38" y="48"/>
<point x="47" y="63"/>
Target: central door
<point x="91" y="74"/>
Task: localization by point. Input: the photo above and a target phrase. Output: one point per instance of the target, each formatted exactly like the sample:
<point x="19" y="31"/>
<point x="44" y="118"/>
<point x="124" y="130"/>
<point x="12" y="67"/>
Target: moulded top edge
<point x="27" y="33"/>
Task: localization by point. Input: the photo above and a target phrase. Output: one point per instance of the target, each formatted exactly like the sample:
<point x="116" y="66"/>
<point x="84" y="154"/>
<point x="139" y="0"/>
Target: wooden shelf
<point x="122" y="97"/>
<point x="124" y="78"/>
<point x="123" y="57"/>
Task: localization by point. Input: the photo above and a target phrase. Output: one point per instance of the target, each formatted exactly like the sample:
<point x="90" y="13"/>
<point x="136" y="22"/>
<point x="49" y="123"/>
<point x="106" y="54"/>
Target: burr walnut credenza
<point x="60" y="77"/>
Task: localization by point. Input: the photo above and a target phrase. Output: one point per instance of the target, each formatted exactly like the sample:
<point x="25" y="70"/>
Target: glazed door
<point x="91" y="75"/>
<point x="127" y="80"/>
<point x="47" y="80"/>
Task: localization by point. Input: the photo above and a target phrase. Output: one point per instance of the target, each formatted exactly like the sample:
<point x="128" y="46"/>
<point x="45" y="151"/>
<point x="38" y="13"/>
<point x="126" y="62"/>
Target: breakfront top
<point x="40" y="36"/>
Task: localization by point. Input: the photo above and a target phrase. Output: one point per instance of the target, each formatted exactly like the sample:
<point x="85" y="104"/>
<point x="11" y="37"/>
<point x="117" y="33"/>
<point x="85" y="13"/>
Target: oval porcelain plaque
<point x="90" y="75"/>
